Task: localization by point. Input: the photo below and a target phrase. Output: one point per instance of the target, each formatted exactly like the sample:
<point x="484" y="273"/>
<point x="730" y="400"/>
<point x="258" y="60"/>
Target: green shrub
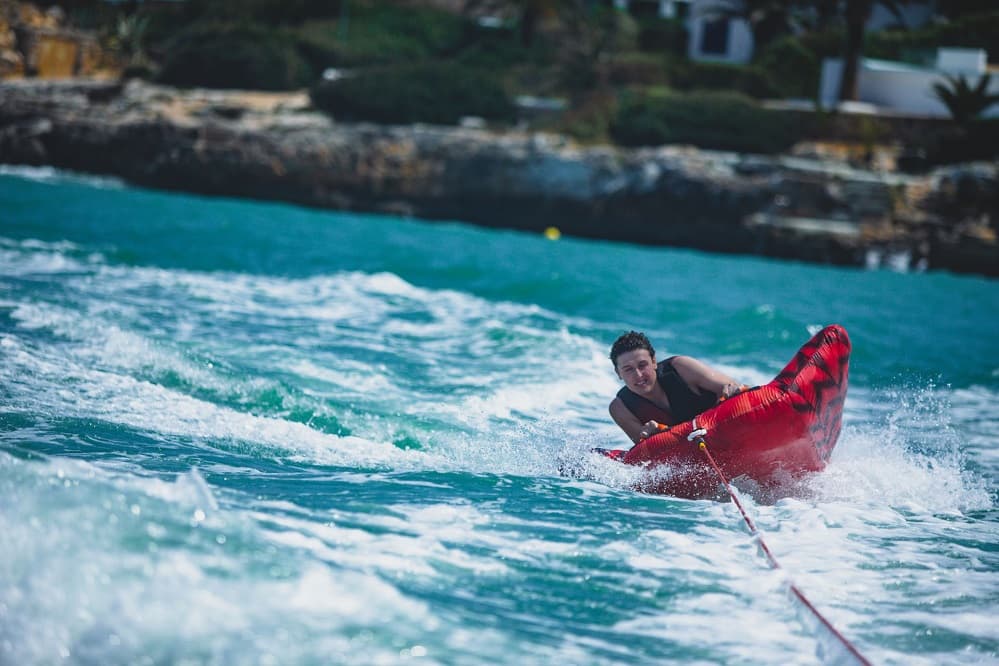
<point x="637" y="69"/>
<point x="234" y="56"/>
<point x="501" y="48"/>
<point x="916" y="47"/>
<point x="825" y="44"/>
<point x="140" y="70"/>
<point x="745" y="79"/>
<point x="589" y="121"/>
<point x="270" y="12"/>
<point x="378" y="35"/>
<point x="978" y="140"/>
<point x="716" y="120"/>
<point x="902" y="46"/>
<point x="976" y="31"/>
<point x="430" y="92"/>
<point x="793" y="68"/>
<point x="625" y="33"/>
<point x="663" y="35"/>
<point x="321" y="45"/>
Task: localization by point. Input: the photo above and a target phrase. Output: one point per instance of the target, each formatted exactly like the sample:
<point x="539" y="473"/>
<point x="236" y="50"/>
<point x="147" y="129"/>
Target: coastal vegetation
<point x="233" y="55"/>
<point x="438" y="92"/>
<point x="577" y="67"/>
<point x="707" y="118"/>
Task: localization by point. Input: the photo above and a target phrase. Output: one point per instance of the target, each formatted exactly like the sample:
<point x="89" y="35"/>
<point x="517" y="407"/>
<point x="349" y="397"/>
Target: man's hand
<point x="732" y="389"/>
<point x="651" y="428"/>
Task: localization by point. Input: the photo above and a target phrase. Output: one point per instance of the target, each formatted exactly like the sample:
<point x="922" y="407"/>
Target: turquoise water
<point x="235" y="432"/>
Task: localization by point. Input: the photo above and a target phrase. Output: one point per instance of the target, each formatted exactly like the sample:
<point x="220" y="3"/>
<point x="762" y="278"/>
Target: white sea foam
<point x="560" y="405"/>
<point x="451" y="314"/>
<point x="51" y="175"/>
<point x="333" y="581"/>
<point x="351" y="377"/>
<point x="274" y="557"/>
<point x="136" y="616"/>
<point x="413" y="541"/>
<point x="903" y="451"/>
<point x="63" y="386"/>
<point x="866" y="468"/>
<point x="47" y="261"/>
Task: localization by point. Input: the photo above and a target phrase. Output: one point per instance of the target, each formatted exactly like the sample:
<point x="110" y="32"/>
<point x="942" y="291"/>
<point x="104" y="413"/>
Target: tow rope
<point x="697" y="435"/>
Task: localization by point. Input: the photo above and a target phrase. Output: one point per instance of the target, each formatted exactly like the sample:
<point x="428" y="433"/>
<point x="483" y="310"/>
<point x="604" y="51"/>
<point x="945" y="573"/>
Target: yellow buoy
<point x="552" y="233"/>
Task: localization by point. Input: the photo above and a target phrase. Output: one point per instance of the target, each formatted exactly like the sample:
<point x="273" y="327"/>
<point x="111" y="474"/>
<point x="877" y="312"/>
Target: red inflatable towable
<point x="771" y="434"/>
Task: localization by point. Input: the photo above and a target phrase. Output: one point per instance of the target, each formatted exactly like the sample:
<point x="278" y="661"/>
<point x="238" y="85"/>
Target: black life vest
<point x="684" y="403"/>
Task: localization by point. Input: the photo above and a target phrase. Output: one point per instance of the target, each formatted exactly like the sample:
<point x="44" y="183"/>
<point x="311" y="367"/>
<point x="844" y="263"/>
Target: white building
<point x="717" y="38"/>
<point x="902" y="88"/>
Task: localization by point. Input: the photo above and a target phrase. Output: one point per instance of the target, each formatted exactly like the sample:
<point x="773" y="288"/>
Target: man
<point x="663" y="394"/>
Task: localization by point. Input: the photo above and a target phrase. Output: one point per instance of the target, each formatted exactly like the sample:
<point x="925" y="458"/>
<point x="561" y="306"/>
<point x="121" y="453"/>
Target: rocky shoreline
<point x="274" y="146"/>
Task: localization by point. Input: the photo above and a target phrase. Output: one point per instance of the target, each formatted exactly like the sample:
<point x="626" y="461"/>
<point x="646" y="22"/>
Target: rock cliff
<point x="274" y="146"/>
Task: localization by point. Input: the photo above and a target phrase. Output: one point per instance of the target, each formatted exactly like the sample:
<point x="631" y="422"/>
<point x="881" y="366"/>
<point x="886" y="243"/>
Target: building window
<point x="714" y="38"/>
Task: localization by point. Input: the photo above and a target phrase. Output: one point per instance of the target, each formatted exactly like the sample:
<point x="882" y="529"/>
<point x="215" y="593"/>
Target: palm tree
<point x="964" y="102"/>
<point x="129" y="39"/>
<point x="856" y="13"/>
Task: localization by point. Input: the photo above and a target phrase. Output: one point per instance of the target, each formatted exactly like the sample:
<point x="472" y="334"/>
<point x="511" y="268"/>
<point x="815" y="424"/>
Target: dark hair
<point x="630" y="341"/>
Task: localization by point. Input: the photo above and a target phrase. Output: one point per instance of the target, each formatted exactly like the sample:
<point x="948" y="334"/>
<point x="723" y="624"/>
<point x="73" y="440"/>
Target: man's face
<point x="638" y="370"/>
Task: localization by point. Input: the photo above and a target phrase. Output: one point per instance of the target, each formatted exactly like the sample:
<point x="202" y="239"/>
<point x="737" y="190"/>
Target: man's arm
<point x="629" y="423"/>
<point x="702" y="377"/>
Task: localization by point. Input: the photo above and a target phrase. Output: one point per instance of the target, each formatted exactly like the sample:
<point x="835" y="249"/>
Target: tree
<point x="129" y="38"/>
<point x="965" y="102"/>
<point x="591" y="35"/>
<point x="588" y="34"/>
<point x="529" y="15"/>
<point x="768" y="19"/>
<point x="855" y="14"/>
<point x="955" y="9"/>
<point x="531" y="12"/>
